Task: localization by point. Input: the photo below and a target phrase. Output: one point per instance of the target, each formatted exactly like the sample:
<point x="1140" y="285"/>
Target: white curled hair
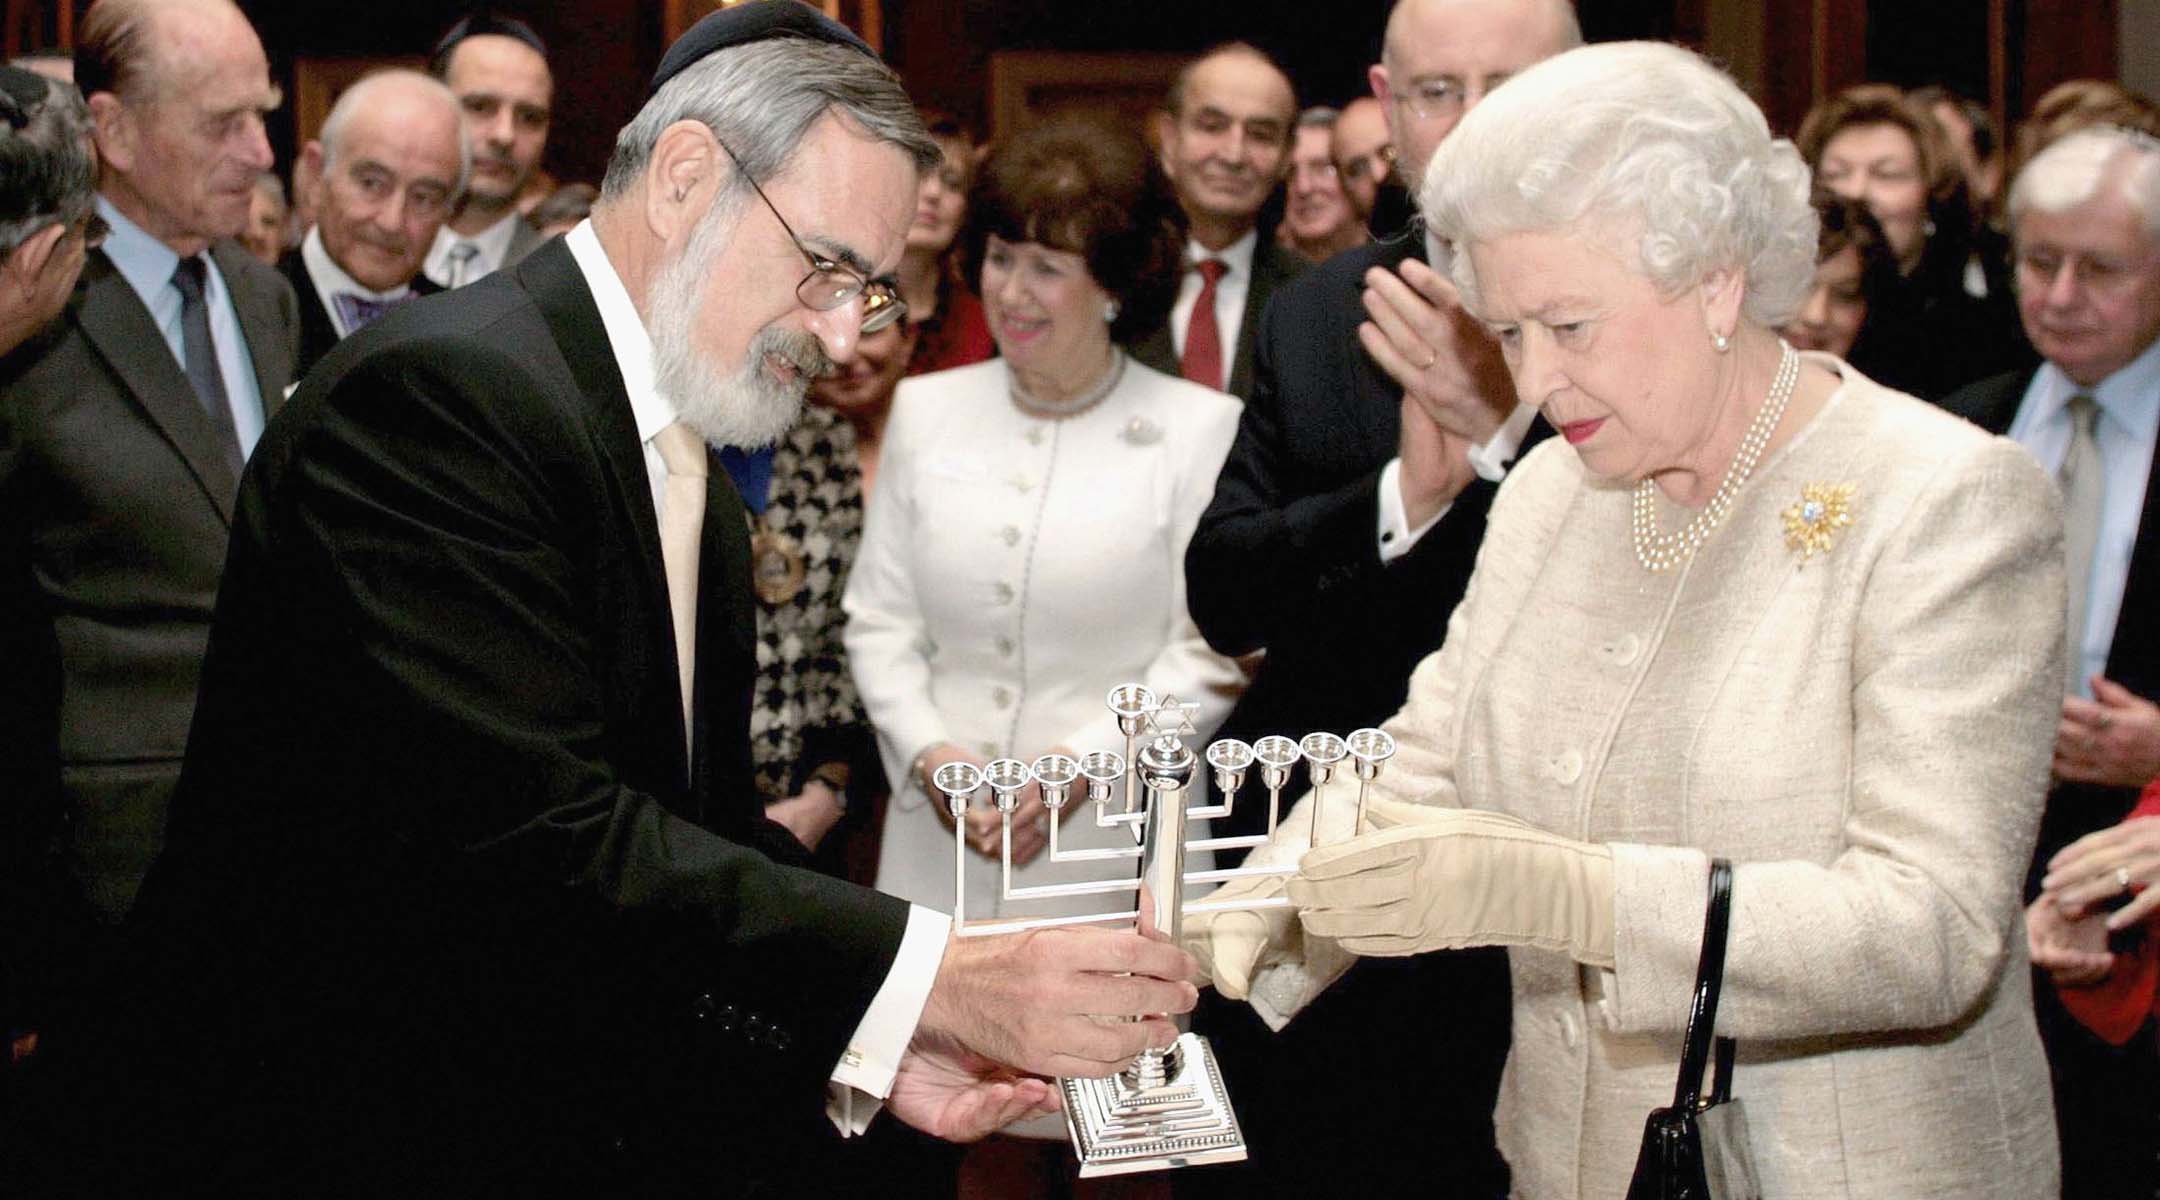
<point x="2072" y="171"/>
<point x="1641" y="138"/>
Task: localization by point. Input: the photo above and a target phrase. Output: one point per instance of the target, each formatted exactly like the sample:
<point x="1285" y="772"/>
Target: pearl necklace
<point x="1050" y="410"/>
<point x="1659" y="552"/>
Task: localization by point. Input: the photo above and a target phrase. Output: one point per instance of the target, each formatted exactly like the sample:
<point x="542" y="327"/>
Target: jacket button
<point x="1003" y="592"/>
<point x="1002" y="697"/>
<point x="1567" y="768"/>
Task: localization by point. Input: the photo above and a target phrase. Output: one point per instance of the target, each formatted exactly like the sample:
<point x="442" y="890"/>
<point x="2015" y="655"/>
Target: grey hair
<point x="2071" y="172"/>
<point x="273" y="187"/>
<point x="1319" y="116"/>
<point x="48" y="168"/>
<point x="1645" y="135"/>
<point x="355" y="97"/>
<point x="761" y="101"/>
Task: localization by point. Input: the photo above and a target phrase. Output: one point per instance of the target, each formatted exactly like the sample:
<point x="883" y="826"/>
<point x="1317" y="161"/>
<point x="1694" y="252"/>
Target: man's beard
<point x="740" y="406"/>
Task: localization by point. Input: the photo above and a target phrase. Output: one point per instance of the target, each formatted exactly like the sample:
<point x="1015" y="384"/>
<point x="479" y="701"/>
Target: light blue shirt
<point x="2129" y="402"/>
<point x="148" y="265"/>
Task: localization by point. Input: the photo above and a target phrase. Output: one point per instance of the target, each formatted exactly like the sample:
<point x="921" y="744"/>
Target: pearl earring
<point x="1110" y="312"/>
<point x="1721" y="342"/>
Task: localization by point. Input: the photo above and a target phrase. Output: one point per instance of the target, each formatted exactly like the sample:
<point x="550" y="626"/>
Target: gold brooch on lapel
<point x="1812" y="524"/>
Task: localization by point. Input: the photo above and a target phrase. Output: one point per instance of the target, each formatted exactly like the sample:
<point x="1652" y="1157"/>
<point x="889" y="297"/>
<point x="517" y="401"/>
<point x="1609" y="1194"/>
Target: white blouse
<point x="1013" y="570"/>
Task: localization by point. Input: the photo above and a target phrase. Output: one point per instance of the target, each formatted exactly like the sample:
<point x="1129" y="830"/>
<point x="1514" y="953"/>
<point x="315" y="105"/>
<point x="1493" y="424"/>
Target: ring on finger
<point x="2122" y="878"/>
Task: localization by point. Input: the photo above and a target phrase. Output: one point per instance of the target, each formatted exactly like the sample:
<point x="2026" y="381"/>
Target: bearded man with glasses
<point x="469" y="889"/>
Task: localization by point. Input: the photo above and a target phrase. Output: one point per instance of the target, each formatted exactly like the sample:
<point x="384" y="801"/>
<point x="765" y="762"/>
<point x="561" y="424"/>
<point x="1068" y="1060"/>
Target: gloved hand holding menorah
<point x="1168" y="1109"/>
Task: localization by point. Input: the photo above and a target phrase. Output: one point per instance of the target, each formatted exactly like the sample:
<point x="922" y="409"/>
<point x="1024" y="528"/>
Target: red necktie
<point x="1203" y="340"/>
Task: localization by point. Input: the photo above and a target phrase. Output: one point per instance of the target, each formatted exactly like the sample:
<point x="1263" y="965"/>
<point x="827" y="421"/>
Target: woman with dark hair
<point x="1951" y="319"/>
<point x="1854" y="270"/>
<point x="1022" y="553"/>
<point x="946" y="313"/>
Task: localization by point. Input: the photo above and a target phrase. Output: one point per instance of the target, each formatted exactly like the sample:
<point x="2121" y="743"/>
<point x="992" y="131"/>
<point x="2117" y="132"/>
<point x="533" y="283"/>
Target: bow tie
<point x="359" y="312"/>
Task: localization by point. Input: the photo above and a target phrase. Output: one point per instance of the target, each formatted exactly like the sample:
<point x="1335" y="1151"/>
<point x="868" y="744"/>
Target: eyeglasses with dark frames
<point x="829" y="284"/>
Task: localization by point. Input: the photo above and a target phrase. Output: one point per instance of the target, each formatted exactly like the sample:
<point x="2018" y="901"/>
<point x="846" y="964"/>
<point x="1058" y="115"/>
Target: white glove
<point x="1453" y="878"/>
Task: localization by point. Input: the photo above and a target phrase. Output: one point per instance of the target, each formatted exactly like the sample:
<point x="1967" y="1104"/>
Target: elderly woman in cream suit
<point x="1752" y="606"/>
<point x="1022" y="553"/>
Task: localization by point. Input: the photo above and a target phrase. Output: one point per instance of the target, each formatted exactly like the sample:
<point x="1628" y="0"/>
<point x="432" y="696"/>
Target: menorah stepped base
<point x="1120" y="1129"/>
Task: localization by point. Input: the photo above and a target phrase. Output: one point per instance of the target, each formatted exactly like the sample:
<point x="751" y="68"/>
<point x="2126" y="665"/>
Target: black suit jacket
<point x="1273" y="267"/>
<point x="318" y="332"/>
<point x="445" y="897"/>
<point x="2133" y="661"/>
<point x="115" y="499"/>
<point x="1286" y="559"/>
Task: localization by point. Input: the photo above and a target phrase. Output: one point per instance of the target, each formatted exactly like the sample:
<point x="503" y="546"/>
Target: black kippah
<point x="753" y="22"/>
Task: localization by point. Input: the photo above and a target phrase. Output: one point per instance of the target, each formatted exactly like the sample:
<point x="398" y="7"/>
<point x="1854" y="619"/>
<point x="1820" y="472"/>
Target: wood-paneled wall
<point x="1787" y="52"/>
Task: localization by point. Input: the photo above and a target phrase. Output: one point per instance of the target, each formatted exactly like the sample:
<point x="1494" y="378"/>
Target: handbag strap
<point x="1702" y="1015"/>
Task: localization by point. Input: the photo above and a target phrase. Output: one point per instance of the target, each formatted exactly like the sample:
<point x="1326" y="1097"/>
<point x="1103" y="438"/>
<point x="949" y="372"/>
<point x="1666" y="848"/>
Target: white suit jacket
<point x="1013" y="570"/>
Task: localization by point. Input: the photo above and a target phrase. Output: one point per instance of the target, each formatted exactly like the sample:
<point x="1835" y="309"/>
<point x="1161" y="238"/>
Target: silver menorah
<point x="1169" y="1108"/>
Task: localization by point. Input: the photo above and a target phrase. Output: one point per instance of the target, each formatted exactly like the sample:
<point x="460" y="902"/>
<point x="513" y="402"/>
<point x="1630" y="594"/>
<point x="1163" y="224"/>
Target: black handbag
<point x="1698" y="1148"/>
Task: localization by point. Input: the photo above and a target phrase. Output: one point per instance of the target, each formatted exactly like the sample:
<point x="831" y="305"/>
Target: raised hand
<point x="1444" y="359"/>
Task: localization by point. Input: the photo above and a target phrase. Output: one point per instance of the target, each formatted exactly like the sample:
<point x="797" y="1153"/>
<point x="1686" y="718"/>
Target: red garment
<point x="958" y="335"/>
<point x="1203" y="361"/>
<point x="2118" y="1006"/>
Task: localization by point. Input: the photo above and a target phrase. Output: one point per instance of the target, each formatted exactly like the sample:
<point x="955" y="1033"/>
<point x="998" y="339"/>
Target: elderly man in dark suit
<point x="389" y="164"/>
<point x="1226" y="138"/>
<point x="2083" y="213"/>
<point x="468" y="887"/>
<point x="122" y="433"/>
<point x="1343" y="530"/>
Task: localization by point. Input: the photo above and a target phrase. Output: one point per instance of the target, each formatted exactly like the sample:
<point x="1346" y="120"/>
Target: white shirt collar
<point x="1238" y="255"/>
<point x="2130" y="397"/>
<point x="625" y="331"/>
<point x="145" y="262"/>
<point x="494" y="244"/>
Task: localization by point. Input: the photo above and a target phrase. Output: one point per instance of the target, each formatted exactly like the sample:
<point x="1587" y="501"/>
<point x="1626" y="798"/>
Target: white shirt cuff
<point x="1396" y="536"/>
<point x="864" y="1075"/>
<point x="1491" y="459"/>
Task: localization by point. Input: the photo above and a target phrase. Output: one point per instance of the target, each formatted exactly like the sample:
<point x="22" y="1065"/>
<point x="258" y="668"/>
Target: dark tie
<point x="1203" y="338"/>
<point x="358" y="312"/>
<point x="200" y="354"/>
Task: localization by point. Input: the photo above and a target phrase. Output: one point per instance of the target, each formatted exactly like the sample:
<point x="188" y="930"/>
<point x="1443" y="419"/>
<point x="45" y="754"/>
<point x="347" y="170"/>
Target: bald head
<point x="1227" y="142"/>
<point x="1360" y="148"/>
<point x="388" y="101"/>
<point x="178" y="90"/>
<point x="1441" y="57"/>
<point x="390" y="162"/>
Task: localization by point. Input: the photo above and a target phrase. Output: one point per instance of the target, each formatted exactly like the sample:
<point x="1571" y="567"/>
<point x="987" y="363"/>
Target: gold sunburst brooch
<point x="1812" y="525"/>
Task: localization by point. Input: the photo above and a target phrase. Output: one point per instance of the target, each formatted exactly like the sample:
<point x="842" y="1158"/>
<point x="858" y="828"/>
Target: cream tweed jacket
<point x="1865" y="734"/>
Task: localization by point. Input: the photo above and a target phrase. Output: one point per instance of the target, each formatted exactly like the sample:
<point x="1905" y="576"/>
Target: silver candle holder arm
<point x="1169" y="1108"/>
